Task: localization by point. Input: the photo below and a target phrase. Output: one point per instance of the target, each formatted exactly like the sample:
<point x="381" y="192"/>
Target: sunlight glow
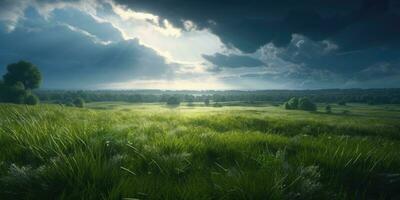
<point x="207" y="84"/>
<point x="176" y="44"/>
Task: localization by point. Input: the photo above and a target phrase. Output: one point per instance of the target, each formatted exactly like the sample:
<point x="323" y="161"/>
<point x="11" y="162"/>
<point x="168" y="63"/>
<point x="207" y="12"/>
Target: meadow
<point x="116" y="150"/>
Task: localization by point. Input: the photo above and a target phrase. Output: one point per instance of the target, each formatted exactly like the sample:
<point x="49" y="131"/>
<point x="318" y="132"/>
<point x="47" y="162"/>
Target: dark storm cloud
<point x="340" y="37"/>
<point x="302" y="79"/>
<point x="102" y="30"/>
<point x="325" y="56"/>
<point x="70" y="57"/>
<point x="302" y="44"/>
<point x="379" y="71"/>
<point x="354" y="24"/>
<point x="232" y="61"/>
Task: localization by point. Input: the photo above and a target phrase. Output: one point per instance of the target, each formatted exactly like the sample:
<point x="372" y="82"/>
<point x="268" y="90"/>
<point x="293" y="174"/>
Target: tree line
<point x="369" y="96"/>
<point x="21" y="82"/>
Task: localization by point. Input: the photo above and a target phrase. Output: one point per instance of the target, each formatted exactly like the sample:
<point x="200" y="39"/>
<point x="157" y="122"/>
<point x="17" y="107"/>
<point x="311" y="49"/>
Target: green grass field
<point x="150" y="151"/>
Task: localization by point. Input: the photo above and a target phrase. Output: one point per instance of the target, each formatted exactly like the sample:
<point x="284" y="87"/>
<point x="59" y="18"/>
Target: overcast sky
<point x="208" y="44"/>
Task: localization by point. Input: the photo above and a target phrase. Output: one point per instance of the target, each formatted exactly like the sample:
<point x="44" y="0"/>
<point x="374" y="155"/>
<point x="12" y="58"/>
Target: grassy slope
<point x="148" y="151"/>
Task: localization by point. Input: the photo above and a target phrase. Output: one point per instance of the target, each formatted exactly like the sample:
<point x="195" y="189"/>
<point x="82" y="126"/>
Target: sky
<point x="204" y="45"/>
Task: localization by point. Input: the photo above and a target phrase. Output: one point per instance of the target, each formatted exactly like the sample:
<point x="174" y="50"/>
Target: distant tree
<point x="190" y="102"/>
<point x="342" y="103"/>
<point x="20" y="78"/>
<point x="395" y="100"/>
<point x="69" y="104"/>
<point x="23" y="72"/>
<point x="173" y="101"/>
<point x="217" y="104"/>
<point x="137" y="98"/>
<point x="306" y="104"/>
<point x="287" y="106"/>
<point x="79" y="102"/>
<point x="189" y="98"/>
<point x="207" y="102"/>
<point x="328" y="109"/>
<point x="292" y="104"/>
<point x="31" y="99"/>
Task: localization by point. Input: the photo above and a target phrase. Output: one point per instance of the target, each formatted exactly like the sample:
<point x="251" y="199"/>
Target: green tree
<point x="79" y="102"/>
<point x="173" y="101"/>
<point x="306" y="104"/>
<point x="293" y="103"/>
<point x="23" y="72"/>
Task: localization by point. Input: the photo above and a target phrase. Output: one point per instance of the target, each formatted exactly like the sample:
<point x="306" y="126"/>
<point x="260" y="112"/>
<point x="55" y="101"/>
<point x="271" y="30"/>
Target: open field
<point x="150" y="151"/>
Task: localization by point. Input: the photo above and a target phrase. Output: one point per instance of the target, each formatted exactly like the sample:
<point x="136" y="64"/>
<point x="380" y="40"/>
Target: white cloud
<point x="11" y="11"/>
<point x="92" y="37"/>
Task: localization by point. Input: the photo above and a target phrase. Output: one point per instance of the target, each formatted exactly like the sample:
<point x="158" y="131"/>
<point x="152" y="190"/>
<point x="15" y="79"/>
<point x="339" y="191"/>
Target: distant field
<point x="116" y="150"/>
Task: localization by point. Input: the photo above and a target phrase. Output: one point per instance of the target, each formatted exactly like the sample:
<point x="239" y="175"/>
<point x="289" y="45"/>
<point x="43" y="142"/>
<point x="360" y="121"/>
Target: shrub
<point x="342" y="103"/>
<point x="190" y="102"/>
<point x="31" y="99"/>
<point x="292" y="104"/>
<point x="300" y="104"/>
<point x="12" y="94"/>
<point x="79" y="102"/>
<point x="306" y="104"/>
<point x="217" y="104"/>
<point x="395" y="101"/>
<point x="173" y="101"/>
<point x="69" y="104"/>
<point x="328" y="109"/>
<point x="207" y="102"/>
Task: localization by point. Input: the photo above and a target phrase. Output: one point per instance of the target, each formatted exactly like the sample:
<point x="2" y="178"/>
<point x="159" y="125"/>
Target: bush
<point x="173" y="101"/>
<point x="292" y="104"/>
<point x="306" y="104"/>
<point x="217" y="105"/>
<point x="341" y="103"/>
<point x="31" y="99"/>
<point x="395" y="101"/>
<point x="190" y="102"/>
<point x="69" y="104"/>
<point x="12" y="94"/>
<point x="79" y="102"/>
<point x="328" y="109"/>
<point x="207" y="102"/>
